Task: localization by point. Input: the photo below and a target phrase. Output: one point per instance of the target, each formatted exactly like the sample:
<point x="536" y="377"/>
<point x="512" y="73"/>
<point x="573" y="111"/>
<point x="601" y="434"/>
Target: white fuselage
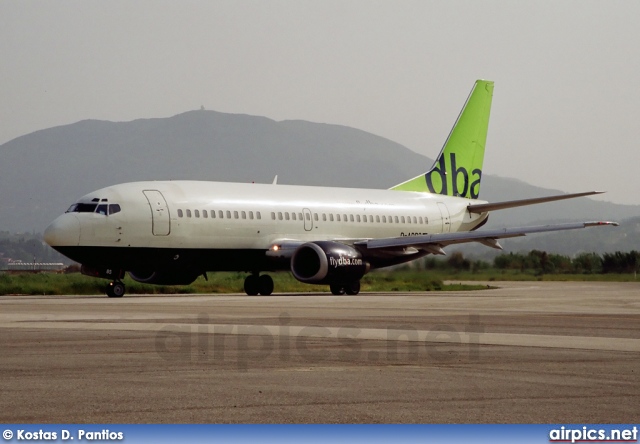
<point x="220" y="215"/>
<point x="185" y="228"/>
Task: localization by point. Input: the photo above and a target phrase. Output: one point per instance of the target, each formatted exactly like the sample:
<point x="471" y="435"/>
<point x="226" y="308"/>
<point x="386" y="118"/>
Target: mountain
<point x="42" y="173"/>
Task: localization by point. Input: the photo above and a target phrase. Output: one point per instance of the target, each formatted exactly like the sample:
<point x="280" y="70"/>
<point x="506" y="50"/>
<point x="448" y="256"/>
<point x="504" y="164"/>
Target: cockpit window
<point x="82" y="208"/>
<point x="102" y="208"/>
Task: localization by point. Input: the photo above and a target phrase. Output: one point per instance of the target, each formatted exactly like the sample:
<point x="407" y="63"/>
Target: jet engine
<point x="326" y="262"/>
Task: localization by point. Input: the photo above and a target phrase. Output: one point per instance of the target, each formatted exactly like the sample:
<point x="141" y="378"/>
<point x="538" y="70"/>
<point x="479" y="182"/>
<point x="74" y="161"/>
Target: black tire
<point x="337" y="289"/>
<point x="115" y="289"/>
<point x="266" y="285"/>
<point x="353" y="288"/>
<point x="252" y="285"/>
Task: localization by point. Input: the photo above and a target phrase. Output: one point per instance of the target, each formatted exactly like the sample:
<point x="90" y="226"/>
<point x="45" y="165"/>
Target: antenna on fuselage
<point x="275" y="180"/>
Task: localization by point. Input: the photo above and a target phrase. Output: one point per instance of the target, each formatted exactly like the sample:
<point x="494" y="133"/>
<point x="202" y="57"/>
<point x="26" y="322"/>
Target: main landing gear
<point x="115" y="289"/>
<point x="352" y="288"/>
<point x="255" y="284"/>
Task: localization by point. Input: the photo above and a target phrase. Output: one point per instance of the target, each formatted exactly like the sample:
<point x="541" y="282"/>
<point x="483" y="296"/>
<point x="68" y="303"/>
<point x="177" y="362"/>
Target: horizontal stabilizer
<point x="482" y="208"/>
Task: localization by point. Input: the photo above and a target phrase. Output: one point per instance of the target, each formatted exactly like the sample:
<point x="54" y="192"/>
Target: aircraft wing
<point x="435" y="242"/>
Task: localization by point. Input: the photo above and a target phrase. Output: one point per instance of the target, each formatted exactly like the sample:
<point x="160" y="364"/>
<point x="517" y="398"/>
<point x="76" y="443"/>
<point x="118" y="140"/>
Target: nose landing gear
<point x="115" y="289"/>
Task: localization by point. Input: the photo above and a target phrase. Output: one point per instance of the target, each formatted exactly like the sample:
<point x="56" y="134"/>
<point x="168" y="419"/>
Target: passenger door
<point x="308" y="221"/>
<point x="160" y="218"/>
<point x="446" y="218"/>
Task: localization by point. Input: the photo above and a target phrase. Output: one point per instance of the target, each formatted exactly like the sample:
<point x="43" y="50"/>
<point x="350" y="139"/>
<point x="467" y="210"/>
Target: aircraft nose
<point x="64" y="231"/>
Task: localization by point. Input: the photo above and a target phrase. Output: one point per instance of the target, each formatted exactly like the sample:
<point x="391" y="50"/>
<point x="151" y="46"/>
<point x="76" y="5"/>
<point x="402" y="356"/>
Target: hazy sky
<point x="566" y="108"/>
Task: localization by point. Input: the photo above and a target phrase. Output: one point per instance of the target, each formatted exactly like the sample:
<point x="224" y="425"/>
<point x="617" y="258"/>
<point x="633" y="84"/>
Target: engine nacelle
<point x="164" y="277"/>
<point x="326" y="262"/>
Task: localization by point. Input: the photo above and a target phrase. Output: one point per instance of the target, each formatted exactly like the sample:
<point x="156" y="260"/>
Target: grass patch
<point x="224" y="282"/>
<point x="530" y="275"/>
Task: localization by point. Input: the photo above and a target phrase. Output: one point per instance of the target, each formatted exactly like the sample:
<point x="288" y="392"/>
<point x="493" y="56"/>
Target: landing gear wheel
<point x="266" y="285"/>
<point x="337" y="289"/>
<point x="252" y="285"/>
<point x="115" y="289"/>
<point x="353" y="288"/>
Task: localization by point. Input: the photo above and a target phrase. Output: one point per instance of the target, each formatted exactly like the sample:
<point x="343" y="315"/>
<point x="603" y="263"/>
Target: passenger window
<point x="235" y="215"/>
<point x="228" y="214"/>
<point x="213" y="214"/>
<point x="251" y="215"/>
<point x="273" y="215"/>
<point x="324" y="217"/>
<point x="205" y="214"/>
<point x="402" y="219"/>
<point x="308" y="216"/>
<point x="415" y="220"/>
<point x="384" y="219"/>
<point x="180" y="214"/>
<point x="337" y="218"/>
<point x="293" y="216"/>
<point x="409" y="219"/>
<point x="378" y="219"/>
<point x="286" y="216"/>
<point x="188" y="213"/>
<point x="396" y="219"/>
<point x="315" y="217"/>
<point x="331" y="217"/>
<point x="258" y="215"/>
<point x="220" y="214"/>
<point x="279" y="215"/>
<point x="197" y="213"/>
<point x="244" y="214"/>
<point x="420" y="220"/>
<point x="300" y="216"/>
<point x="358" y="218"/>
<point x="114" y="208"/>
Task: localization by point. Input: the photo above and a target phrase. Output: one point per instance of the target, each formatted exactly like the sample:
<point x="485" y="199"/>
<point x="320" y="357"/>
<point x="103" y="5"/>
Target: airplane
<point x="172" y="232"/>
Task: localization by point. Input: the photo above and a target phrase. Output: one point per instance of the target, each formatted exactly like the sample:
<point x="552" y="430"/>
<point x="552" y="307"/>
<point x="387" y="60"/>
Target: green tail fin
<point x="458" y="168"/>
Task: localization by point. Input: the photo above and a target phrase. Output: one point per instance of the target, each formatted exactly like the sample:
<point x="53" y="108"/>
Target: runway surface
<point x="524" y="352"/>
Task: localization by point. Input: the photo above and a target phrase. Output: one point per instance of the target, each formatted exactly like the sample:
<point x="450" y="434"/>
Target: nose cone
<point x="63" y="232"/>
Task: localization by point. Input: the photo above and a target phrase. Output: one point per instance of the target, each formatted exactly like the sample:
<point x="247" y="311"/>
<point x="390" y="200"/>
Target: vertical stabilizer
<point x="458" y="169"/>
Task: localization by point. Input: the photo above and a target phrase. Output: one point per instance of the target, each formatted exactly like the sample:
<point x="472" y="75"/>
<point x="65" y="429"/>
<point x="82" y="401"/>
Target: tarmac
<point x="524" y="352"/>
